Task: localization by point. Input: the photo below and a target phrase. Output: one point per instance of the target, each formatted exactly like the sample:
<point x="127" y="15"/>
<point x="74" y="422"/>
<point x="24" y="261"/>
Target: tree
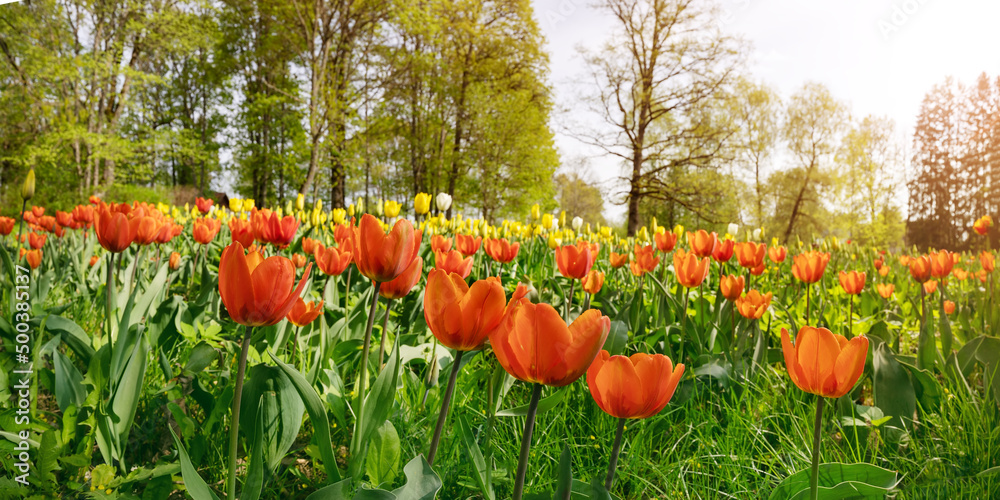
<point x="665" y="64"/>
<point x="872" y="160"/>
<point x="813" y="124"/>
<point x="579" y="197"/>
<point x="755" y="110"/>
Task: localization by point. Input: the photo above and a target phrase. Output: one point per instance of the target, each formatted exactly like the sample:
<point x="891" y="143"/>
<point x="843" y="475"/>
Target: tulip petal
<point x="850" y="364"/>
<point x="817" y="349"/>
<point x="620" y="388"/>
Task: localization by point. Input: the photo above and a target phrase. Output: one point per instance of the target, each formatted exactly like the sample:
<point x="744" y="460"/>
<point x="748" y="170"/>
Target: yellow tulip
<point x="236" y="204"/>
<point x="391" y="208"/>
<point x="422" y="203"/>
<point x="554" y="242"/>
<point x="300" y="202"/>
<point x="350" y="210"/>
<point x="28" y="188"/>
<point x="339" y="216"/>
<point x="547" y="221"/>
<point x="248" y="204"/>
<point x="536" y="212"/>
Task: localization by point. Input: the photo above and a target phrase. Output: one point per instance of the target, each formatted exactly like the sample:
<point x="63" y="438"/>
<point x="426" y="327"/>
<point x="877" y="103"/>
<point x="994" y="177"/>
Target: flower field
<point x="208" y="352"/>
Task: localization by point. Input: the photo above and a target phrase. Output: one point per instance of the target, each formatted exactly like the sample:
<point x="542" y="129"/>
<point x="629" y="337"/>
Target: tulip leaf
<point x="378" y="405"/>
<point x="317" y="414"/>
<point x="195" y="485"/>
<point x="837" y="480"/>
<point x="74" y="336"/>
<point x="201" y="357"/>
<point x="617" y="338"/>
<point x="544" y="405"/>
<point x="926" y="346"/>
<point x="564" y="483"/>
<point x="255" y="470"/>
<point x="340" y="490"/>
<point x="69" y="382"/>
<point x="481" y="471"/>
<point x="422" y="483"/>
<point x="382" y="463"/>
<point x="892" y="389"/>
<point x="270" y="392"/>
<point x="944" y="330"/>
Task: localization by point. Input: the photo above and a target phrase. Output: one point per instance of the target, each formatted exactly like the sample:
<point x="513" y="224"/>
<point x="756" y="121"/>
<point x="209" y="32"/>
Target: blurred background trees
<point x="338" y="100"/>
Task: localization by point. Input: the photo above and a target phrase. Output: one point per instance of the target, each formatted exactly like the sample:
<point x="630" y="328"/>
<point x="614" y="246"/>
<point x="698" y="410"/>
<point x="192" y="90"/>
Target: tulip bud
<point x="360" y="205"/>
<point x="379" y="208"/>
<point x="443" y="201"/>
<point x="300" y="202"/>
<point x="733" y="229"/>
<point x="577" y="223"/>
<point x="350" y="210"/>
<point x="562" y="219"/>
<point x="28" y="189"/>
<point x="757" y="233"/>
<point x="536" y="212"/>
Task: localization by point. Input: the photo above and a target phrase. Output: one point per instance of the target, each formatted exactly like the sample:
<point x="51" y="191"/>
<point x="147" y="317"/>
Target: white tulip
<point x="577" y="224"/>
<point x="443" y="201"/>
<point x="756" y="234"/>
<point x="733" y="229"/>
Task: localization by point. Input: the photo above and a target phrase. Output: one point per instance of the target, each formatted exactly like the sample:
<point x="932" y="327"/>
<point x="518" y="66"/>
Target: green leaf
<point x="382" y="463"/>
<point x="892" y="389"/>
<point x="340" y="490"/>
<point x="202" y="356"/>
<point x="544" y="405"/>
<point x="471" y="447"/>
<point x="72" y="334"/>
<point x="196" y="486"/>
<point x="378" y="406"/>
<point x="617" y="338"/>
<point x="69" y="382"/>
<point x="317" y="414"/>
<point x="926" y="346"/>
<point x="422" y="483"/>
<point x="255" y="471"/>
<point x="839" y="479"/>
<point x="270" y="391"/>
<point x="564" y="483"/>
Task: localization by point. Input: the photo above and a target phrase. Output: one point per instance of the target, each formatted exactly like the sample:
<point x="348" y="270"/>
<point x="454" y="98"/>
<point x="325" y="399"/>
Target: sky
<point x="878" y="56"/>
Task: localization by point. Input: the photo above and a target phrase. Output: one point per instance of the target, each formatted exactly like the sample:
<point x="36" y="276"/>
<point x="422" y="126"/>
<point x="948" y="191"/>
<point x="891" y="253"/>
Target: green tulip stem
<point x="364" y="353"/>
<point x="445" y="403"/>
<point x="814" y="479"/>
<point x="234" y="425"/>
<point x="529" y="427"/>
<point x="613" y="464"/>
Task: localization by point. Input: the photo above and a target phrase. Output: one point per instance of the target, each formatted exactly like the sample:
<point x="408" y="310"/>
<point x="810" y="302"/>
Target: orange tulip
<point x="440" y="243"/>
<point x="241" y="231"/>
<point x="645" y="260"/>
<point x="332" y="261"/>
<point x="34" y="258"/>
<point x="593" y="282"/>
<point x="83" y="214"/>
<point x="777" y="254"/>
<point x="94" y="200"/>
<point x="461" y="317"/>
<point x="753" y="305"/>
<point x="115" y="232"/>
<point x="960" y="274"/>
<point x="618" y="260"/>
<point x="204" y="230"/>
<point x="665" y="241"/>
<point x="723" y="251"/>
<point x="759" y="270"/>
<point x="885" y="290"/>
<point x="823" y="363"/>
<point x="852" y="282"/>
<point x="690" y="271"/>
<point x="343" y="234"/>
<point x="878" y="263"/>
<point x="257" y="291"/>
<point x="64" y="219"/>
<point x="204" y="205"/>
<point x="949" y="307"/>
<point x="633" y="387"/>
<point x="703" y="243"/>
<point x="268" y="227"/>
<point x="941" y="263"/>
<point x="401" y="286"/>
<point x="750" y="254"/>
<point x="986" y="259"/>
<point x="920" y="268"/>
<point x="175" y="260"/>
<point x="383" y="257"/>
<point x="298" y="260"/>
<point x="930" y="286"/>
<point x="302" y="313"/>
<point x="309" y="246"/>
<point x="94" y="260"/>
<point x="147" y="231"/>
<point x="575" y="261"/>
<point x="982" y="275"/>
<point x="6" y="225"/>
<point x="453" y="262"/>
<point x="810" y="266"/>
<point x="38" y="211"/>
<point x="468" y="245"/>
<point x="904" y="260"/>
<point x="502" y="251"/>
<point x="534" y="344"/>
<point x="731" y="287"/>
<point x="884" y="271"/>
<point x="37" y="240"/>
<point x="983" y="225"/>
